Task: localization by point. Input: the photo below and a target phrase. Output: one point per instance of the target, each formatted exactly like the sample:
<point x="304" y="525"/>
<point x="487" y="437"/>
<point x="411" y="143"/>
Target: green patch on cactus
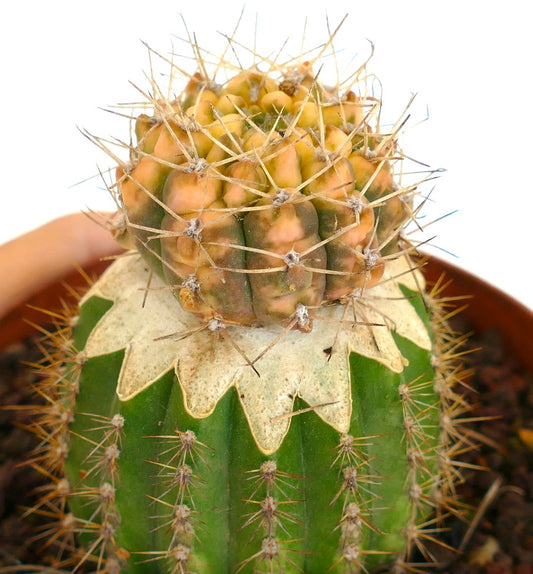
<point x="107" y="459"/>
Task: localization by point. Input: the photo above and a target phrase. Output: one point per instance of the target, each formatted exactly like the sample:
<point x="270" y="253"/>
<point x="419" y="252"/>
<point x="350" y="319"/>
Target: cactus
<point x="261" y="384"/>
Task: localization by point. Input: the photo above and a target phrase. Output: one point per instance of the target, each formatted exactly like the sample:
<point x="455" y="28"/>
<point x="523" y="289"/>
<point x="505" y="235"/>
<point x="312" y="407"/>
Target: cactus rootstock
<point x="261" y="384"/>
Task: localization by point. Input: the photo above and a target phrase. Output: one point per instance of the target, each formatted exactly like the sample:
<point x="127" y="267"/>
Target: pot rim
<point x="486" y="307"/>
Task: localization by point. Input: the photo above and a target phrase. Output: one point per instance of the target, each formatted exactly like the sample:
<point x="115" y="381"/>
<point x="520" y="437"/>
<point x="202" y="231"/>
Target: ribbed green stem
<point x="210" y="473"/>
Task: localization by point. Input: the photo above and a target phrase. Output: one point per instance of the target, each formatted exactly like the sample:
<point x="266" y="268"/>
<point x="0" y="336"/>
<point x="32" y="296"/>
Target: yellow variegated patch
<point x="268" y="367"/>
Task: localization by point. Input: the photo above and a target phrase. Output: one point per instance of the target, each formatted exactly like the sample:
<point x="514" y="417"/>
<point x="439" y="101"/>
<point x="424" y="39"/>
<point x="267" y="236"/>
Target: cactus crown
<point x="266" y="195"/>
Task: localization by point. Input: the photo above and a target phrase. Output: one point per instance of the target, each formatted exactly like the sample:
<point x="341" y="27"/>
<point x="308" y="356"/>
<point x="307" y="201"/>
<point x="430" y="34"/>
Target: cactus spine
<point x="263" y="386"/>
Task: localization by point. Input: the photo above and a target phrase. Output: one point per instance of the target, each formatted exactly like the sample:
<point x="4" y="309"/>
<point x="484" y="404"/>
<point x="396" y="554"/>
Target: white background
<point x="469" y="62"/>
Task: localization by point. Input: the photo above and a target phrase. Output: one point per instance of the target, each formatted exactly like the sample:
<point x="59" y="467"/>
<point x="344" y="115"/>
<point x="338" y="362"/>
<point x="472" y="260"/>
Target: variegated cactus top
<point x="263" y="197"/>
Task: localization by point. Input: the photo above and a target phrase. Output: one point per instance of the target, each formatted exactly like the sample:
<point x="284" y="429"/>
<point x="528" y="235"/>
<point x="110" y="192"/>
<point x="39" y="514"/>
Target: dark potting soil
<point x="499" y="537"/>
<point x="500" y="497"/>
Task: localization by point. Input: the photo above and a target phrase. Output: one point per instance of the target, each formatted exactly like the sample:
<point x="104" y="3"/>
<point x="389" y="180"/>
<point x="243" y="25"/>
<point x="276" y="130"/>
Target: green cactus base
<point x="154" y="489"/>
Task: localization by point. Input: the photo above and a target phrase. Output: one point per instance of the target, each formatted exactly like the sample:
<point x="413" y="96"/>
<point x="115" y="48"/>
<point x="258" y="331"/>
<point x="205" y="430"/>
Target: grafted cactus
<point x="261" y="384"/>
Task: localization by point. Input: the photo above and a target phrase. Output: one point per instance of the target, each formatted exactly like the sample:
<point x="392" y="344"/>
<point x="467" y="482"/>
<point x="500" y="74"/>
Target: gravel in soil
<point x="18" y="481"/>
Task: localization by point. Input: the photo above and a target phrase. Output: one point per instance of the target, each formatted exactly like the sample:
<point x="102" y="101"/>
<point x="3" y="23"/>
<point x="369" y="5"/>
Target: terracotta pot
<point x="25" y="319"/>
<point x="486" y="308"/>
